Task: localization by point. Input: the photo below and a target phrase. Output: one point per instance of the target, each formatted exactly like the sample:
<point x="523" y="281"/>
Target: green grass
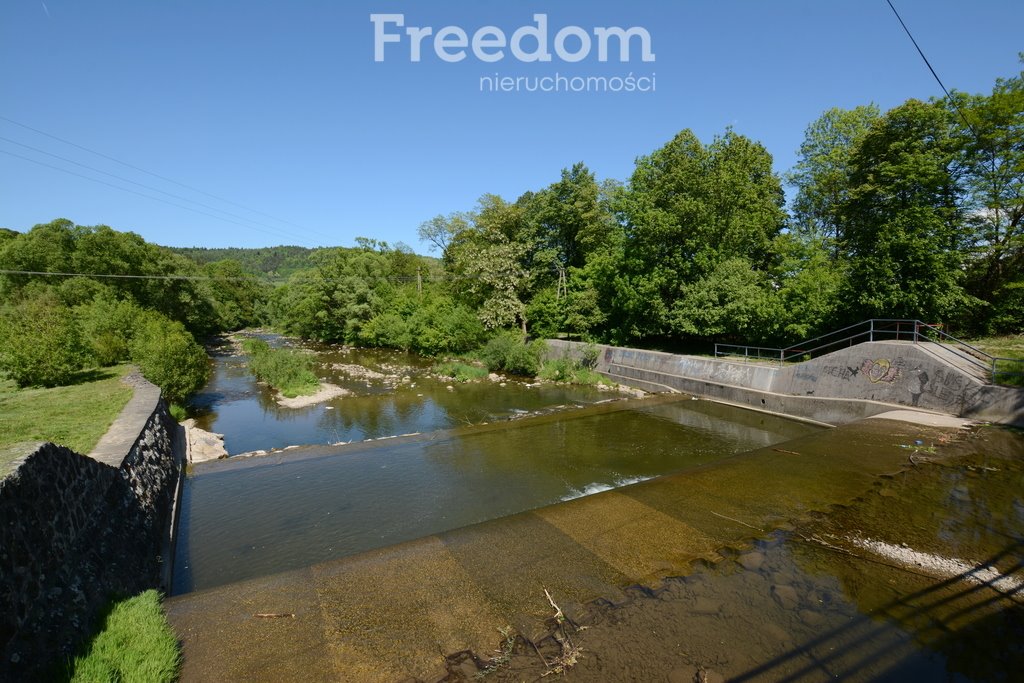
<point x="135" y="644"/>
<point x="463" y="372"/>
<point x="287" y="370"/>
<point x="572" y="372"/>
<point x="75" y="416"/>
<point x="1009" y="346"/>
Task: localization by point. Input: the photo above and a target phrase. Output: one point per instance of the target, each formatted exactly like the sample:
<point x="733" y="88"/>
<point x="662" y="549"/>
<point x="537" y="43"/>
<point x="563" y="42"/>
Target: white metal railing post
<point x="871" y="334"/>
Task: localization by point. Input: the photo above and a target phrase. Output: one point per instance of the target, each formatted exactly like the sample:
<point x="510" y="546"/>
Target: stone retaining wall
<point x="76" y="532"/>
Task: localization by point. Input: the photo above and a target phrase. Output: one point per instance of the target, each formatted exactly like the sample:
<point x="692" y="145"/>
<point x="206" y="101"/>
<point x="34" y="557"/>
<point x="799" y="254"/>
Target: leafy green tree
<point x="440" y="230"/>
<point x="688" y="209"/>
<point x="169" y="357"/>
<point x="239" y="298"/>
<point x="108" y="326"/>
<point x="734" y="301"/>
<point x="334" y="300"/>
<point x="41" y="343"/>
<point x="822" y="172"/>
<point x="993" y="163"/>
<point x="807" y="280"/>
<point x="140" y="270"/>
<point x="492" y="275"/>
<point x="902" y="235"/>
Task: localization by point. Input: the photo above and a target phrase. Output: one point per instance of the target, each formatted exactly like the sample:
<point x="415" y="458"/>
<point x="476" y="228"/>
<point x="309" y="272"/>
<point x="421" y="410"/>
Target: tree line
<point x="916" y="212"/>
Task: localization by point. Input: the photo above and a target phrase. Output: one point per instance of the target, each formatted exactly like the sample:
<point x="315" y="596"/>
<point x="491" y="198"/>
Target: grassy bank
<point x="135" y="644"/>
<point x="75" y="416"/>
<point x="1010" y="347"/>
<point x="288" y="371"/>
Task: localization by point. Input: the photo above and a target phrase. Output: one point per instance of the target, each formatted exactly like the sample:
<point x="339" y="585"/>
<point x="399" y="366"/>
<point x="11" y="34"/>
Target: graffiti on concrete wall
<point x="875" y="370"/>
<point x="840" y="371"/>
<point x="881" y="370"/>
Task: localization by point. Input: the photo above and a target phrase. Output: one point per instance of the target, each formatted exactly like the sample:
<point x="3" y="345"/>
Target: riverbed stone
<point x="706" y="606"/>
<point x="751" y="561"/>
<point x="811" y="618"/>
<point x="786" y="596"/>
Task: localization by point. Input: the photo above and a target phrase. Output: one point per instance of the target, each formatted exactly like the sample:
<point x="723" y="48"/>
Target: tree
<point x="822" y="172"/>
<point x="238" y="296"/>
<point x="993" y="164"/>
<point x="807" y="280"/>
<point x="902" y="219"/>
<point x="41" y="343"/>
<point x="169" y="357"/>
<point x="440" y="230"/>
<point x="688" y="209"/>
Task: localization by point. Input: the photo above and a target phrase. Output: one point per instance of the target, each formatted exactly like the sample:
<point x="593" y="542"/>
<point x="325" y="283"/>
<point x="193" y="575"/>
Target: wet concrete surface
<point x="403" y="611"/>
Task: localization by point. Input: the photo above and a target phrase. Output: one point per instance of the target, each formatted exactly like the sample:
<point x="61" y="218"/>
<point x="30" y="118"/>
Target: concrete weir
<point x="396" y="613"/>
<point x="843" y="386"/>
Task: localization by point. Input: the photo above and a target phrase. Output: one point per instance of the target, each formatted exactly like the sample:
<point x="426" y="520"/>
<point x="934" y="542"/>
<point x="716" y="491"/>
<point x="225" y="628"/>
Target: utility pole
<point x="419" y="282"/>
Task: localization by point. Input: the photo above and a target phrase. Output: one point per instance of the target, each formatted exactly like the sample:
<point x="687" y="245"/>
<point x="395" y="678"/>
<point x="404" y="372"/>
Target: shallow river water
<point x="901" y="557"/>
<point x="390" y="393"/>
<point x="247" y="517"/>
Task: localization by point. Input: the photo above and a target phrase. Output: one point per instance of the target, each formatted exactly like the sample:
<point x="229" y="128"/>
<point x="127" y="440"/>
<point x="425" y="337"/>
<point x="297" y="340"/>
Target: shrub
<point x="589" y="356"/>
<point x="41" y="343"/>
<point x="463" y="372"/>
<point x="169" y="357"/>
<point x="108" y="326"/>
<point x="288" y="371"/>
<point x="573" y="372"/>
<point x="508" y="352"/>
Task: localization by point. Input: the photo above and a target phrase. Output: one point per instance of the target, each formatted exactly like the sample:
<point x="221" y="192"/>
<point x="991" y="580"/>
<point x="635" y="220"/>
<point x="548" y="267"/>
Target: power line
<point x="140" y="194"/>
<point x="930" y="68"/>
<point x="121" y="276"/>
<point x="227" y="278"/>
<point x="161" y="177"/>
<point x="276" y="230"/>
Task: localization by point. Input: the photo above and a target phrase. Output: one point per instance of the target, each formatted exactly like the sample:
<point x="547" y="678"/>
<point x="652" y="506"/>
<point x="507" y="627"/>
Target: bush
<point x="463" y="372"/>
<point x="288" y="371"/>
<point x="589" y="356"/>
<point x="41" y="343"/>
<point x="573" y="372"/>
<point x="508" y="352"/>
<point x="169" y="357"/>
<point x="108" y="326"/>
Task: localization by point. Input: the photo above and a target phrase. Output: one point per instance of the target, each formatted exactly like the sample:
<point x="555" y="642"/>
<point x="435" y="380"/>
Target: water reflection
<point x="391" y="393"/>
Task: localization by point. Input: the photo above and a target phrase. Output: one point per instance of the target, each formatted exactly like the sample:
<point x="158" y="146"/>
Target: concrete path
<point x="119" y="439"/>
<point x="395" y="613"/>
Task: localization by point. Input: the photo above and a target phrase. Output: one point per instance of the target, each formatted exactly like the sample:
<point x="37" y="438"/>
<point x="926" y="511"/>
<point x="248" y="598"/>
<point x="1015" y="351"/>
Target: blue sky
<point x="286" y="131"/>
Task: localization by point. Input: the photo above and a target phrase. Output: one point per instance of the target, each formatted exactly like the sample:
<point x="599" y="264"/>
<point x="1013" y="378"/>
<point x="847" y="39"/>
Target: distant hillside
<point x="279" y="261"/>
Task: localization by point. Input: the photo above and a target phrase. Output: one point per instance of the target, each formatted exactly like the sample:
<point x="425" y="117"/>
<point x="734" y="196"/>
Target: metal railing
<point x="881" y="329"/>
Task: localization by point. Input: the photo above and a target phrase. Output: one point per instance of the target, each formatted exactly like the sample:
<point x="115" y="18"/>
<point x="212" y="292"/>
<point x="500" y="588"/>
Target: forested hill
<point x="279" y="261"/>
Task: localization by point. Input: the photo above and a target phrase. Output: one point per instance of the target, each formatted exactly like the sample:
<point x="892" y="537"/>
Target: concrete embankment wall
<point x="847" y="385"/>
<point x="76" y="531"/>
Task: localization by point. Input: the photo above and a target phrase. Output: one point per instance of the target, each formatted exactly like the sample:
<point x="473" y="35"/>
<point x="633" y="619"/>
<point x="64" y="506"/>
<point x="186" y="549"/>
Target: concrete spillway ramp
<point x="396" y="612"/>
<point x="846" y="385"/>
